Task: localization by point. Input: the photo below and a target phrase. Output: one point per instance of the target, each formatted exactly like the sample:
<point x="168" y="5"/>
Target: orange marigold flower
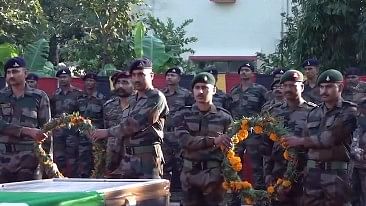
<point x="258" y="129"/>
<point x="286" y="183"/>
<point x="270" y="189"/>
<point x="286" y="155"/>
<point x="279" y="181"/>
<point x="243" y="134"/>
<point x="230" y="154"/>
<point x="246" y="185"/>
<point x="226" y="185"/>
<point x="245" y="124"/>
<point x="237" y="167"/>
<point x="248" y="201"/>
<point x="273" y="137"/>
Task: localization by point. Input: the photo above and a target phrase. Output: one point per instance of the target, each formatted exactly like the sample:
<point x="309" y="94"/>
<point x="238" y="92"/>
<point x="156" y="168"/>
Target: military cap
<point x="278" y="71"/>
<point x="120" y="74"/>
<point x="63" y="71"/>
<point x="90" y="75"/>
<point x="330" y="76"/>
<point x="352" y="71"/>
<point x="310" y="62"/>
<point x="140" y="64"/>
<point x="16" y="62"/>
<point x="249" y="65"/>
<point x="175" y="70"/>
<point x="32" y="76"/>
<point x="212" y="70"/>
<point x="277" y="81"/>
<point x="292" y="75"/>
<point x="203" y="77"/>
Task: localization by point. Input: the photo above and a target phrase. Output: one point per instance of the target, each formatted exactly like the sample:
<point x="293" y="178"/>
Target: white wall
<point x="234" y="29"/>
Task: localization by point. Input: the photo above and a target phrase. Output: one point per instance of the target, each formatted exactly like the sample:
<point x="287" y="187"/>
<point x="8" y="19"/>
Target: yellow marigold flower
<point x="286" y="155"/>
<point x="279" y="181"/>
<point x="246" y="185"/>
<point x="273" y="137"/>
<point x="248" y="201"/>
<point x="235" y="139"/>
<point x="270" y="189"/>
<point x="226" y="185"/>
<point x="286" y="183"/>
<point x="243" y="134"/>
<point x="258" y="129"/>
<point x="230" y="154"/>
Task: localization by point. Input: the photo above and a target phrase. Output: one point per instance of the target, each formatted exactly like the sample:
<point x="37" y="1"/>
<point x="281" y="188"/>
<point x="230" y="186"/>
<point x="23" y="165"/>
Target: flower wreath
<point x="232" y="164"/>
<point x="83" y="125"/>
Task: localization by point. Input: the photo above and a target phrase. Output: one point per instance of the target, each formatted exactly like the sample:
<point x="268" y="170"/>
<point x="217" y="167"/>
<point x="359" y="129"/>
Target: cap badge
<point x="15" y="65"/>
<point x="63" y="72"/>
<point x="296" y="75"/>
<point x="174" y="70"/>
<point x="308" y="63"/>
<point x="205" y="78"/>
<point x="281" y="71"/>
<point x="328" y="79"/>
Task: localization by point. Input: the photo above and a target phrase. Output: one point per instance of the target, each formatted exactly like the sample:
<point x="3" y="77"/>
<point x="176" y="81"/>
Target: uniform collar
<point x="212" y="110"/>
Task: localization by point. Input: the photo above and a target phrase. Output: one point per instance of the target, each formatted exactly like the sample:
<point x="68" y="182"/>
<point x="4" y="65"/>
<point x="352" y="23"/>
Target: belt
<point x="334" y="165"/>
<point x="200" y="165"/>
<point x="11" y="147"/>
<point x="135" y="150"/>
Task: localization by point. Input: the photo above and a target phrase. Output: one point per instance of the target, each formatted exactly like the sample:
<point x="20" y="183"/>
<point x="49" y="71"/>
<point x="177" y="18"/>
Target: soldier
<point x="328" y="137"/>
<point x="23" y="111"/>
<point x="358" y="151"/>
<point x="276" y="93"/>
<point x="220" y="99"/>
<point x="90" y="105"/>
<point x="293" y="112"/>
<point x="115" y="111"/>
<point x="142" y="131"/>
<point x="354" y="89"/>
<point x="311" y="91"/>
<point x="201" y="132"/>
<point x="64" y="101"/>
<point x="177" y="97"/>
<point x="276" y="74"/>
<point x="32" y="80"/>
<point x="248" y="99"/>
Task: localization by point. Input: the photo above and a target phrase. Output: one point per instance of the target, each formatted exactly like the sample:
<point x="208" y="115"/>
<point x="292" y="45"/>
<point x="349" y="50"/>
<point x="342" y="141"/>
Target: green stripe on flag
<point x="53" y="198"/>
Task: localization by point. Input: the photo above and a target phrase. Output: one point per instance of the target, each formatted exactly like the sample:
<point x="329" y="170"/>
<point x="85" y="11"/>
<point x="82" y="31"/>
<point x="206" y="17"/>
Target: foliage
<point x="7" y="51"/>
<point x="36" y="54"/>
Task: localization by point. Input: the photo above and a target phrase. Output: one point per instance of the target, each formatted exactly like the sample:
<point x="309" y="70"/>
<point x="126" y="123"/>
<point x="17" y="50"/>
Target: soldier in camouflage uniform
<point x="220" y="99"/>
<point x="177" y="97"/>
<point x="276" y="74"/>
<point x="358" y="151"/>
<point x="248" y="99"/>
<point x="277" y="96"/>
<point x="293" y="112"/>
<point x="32" y="80"/>
<point x="142" y="132"/>
<point x="311" y="91"/>
<point x="65" y="101"/>
<point x="90" y="105"/>
<point x="201" y="132"/>
<point x="23" y="111"/>
<point x="328" y="137"/>
<point x="354" y="89"/>
<point x="115" y="111"/>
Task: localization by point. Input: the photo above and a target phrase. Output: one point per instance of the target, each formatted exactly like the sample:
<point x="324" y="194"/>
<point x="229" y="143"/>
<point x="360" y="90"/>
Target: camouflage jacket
<point x="65" y="102"/>
<point x="249" y="102"/>
<point x="149" y="113"/>
<point x="358" y="148"/>
<point x="180" y="98"/>
<point x="354" y="94"/>
<point x="113" y="114"/>
<point x="30" y="110"/>
<point x="269" y="104"/>
<point x="221" y="99"/>
<point x="196" y="132"/>
<point x="294" y="119"/>
<point x="92" y="107"/>
<point x="311" y="94"/>
<point x="329" y="133"/>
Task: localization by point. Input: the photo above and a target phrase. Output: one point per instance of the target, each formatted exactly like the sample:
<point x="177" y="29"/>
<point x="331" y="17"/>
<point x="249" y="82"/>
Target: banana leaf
<point x="138" y="38"/>
<point x="154" y="49"/>
<point x="36" y="55"/>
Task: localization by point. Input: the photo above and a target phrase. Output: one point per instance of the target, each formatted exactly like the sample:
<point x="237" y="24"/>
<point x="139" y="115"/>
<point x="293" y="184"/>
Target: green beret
<point x="203" y="77"/>
<point x="292" y="75"/>
<point x="330" y="76"/>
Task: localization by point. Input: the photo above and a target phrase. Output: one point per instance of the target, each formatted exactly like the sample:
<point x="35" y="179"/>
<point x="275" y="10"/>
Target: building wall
<point x="233" y="29"/>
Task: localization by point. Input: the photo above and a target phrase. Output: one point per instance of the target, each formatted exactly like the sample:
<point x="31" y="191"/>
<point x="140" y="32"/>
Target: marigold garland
<point x="72" y="120"/>
<point x="232" y="164"/>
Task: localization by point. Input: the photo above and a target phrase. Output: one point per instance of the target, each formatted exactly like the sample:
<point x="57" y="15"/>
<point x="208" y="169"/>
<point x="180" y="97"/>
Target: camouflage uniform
<point x="90" y="106"/>
<point x="113" y="115"/>
<point x="294" y="119"/>
<point x="173" y="162"/>
<point x="329" y="135"/>
<point x="144" y="157"/>
<point x="202" y="173"/>
<point x="221" y="99"/>
<point x="249" y="103"/>
<point x="269" y="104"/>
<point x="17" y="160"/>
<point x="354" y="94"/>
<point x="61" y="103"/>
<point x="311" y="94"/>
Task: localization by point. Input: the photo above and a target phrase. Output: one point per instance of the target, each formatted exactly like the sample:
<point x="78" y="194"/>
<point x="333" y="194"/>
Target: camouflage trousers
<point x="18" y="165"/>
<point x="173" y="161"/>
<point x="202" y="186"/>
<point x="114" y="154"/>
<point x="359" y="187"/>
<point x="140" y="162"/>
<point x="73" y="153"/>
<point x="327" y="188"/>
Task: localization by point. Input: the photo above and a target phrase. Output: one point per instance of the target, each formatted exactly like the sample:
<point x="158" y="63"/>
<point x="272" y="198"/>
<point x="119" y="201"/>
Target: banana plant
<point x="7" y="51"/>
